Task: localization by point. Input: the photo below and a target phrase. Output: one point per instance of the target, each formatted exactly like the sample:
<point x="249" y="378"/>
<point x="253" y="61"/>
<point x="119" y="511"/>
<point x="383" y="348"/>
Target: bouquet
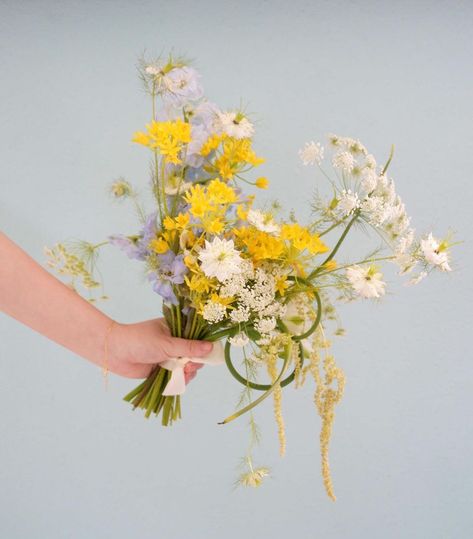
<point x="254" y="278"/>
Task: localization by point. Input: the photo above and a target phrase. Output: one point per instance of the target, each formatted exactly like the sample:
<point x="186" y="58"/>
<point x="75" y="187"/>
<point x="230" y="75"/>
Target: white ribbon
<point x="177" y="382"/>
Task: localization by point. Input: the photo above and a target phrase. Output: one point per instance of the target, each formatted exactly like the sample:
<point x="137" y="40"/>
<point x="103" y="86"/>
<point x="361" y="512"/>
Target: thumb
<point x="176" y="347"/>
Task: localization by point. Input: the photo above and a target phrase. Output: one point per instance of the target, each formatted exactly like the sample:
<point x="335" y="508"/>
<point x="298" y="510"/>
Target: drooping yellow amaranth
<point x="277" y="402"/>
<point x="325" y="399"/>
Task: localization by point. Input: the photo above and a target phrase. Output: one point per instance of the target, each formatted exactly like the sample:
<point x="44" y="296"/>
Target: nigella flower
<point x="182" y="84"/>
<point x="234" y="124"/>
<point x="435" y="252"/>
<point x="366" y="282"/>
<point x="171" y="271"/>
<point x="220" y="259"/>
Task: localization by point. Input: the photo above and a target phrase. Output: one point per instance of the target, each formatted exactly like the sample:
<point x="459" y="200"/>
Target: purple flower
<point x="182" y="85"/>
<point x="171" y="271"/>
<point x="136" y="246"/>
<point x="130" y="246"/>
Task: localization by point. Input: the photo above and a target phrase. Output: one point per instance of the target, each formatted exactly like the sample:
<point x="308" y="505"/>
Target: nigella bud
<point x="121" y="189"/>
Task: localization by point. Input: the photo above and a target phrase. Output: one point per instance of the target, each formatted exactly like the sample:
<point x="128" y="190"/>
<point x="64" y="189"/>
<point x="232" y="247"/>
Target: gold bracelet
<point x="105" y="369"/>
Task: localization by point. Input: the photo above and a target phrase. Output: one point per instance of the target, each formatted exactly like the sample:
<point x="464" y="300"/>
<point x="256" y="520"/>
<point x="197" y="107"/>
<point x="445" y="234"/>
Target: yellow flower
<point x="223" y="301"/>
<point x="169" y="223"/>
<point x="167" y="137"/>
<point x="262" y="182"/>
<point x="242" y="212"/>
<point x="141" y="138"/>
<point x="219" y="192"/>
<point x="179" y="223"/>
<point x="302" y="239"/>
<point x="213" y="225"/>
<point x="281" y="284"/>
<point x="199" y="283"/>
<point x="198" y="201"/>
<point x="212" y="143"/>
<point x="159" y="245"/>
<point x="191" y="262"/>
<point x="260" y="245"/>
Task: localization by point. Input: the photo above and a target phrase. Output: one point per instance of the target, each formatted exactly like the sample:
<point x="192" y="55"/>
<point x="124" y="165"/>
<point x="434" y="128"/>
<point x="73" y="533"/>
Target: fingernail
<point x="206" y="347"/>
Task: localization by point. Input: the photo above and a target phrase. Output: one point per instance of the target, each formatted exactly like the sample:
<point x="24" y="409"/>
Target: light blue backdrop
<point x="75" y="461"/>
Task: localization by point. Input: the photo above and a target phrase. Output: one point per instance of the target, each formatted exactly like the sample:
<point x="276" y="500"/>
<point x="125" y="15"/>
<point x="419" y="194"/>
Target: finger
<point x="176" y="347"/>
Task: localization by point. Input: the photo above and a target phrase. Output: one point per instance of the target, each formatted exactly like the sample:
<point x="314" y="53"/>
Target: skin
<point x="34" y="297"/>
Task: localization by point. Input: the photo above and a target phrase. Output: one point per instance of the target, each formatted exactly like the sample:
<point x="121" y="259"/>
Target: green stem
<point x="335" y="249"/>
<point x="250" y="406"/>
<point x="330" y="228"/>
<point x="388" y="162"/>
<point x="365" y="261"/>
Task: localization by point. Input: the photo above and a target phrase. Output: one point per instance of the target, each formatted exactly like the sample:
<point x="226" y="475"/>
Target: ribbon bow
<point x="177" y="382"/>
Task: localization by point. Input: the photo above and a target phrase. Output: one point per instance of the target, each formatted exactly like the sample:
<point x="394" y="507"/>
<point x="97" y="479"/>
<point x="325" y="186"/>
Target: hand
<point x="134" y="349"/>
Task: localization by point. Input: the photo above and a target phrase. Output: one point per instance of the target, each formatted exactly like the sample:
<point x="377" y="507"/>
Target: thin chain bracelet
<point x="105" y="369"/>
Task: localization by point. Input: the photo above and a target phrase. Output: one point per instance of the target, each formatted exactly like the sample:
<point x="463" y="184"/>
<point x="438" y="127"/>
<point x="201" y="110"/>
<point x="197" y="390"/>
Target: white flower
<point x="435" y="253"/>
<point x="262" y="221"/>
<point x="265" y="325"/>
<point x="311" y="153"/>
<point x="152" y="70"/>
<point x="220" y="259"/>
<point x="375" y="208"/>
<point x="405" y="262"/>
<point x="242" y="314"/>
<point x="369" y="181"/>
<point x="344" y="161"/>
<point x="234" y="124"/>
<point x="240" y="340"/>
<point x="405" y="241"/>
<point x="366" y="282"/>
<point x="214" y="312"/>
<point x="370" y="161"/>
<point x="418" y="278"/>
<point x="348" y="202"/>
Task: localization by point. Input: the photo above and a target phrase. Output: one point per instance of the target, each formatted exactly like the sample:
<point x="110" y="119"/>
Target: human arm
<point x="33" y="296"/>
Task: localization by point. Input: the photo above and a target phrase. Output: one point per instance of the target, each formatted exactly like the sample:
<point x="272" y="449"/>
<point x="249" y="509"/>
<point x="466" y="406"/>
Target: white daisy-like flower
<point x="214" y="312"/>
<point x="366" y="282"/>
<point x="344" y="161"/>
<point x="239" y="340"/>
<point x="435" y="253"/>
<point x="263" y="221"/>
<point x="348" y="202"/>
<point x="220" y="259"/>
<point x="311" y="153"/>
<point x="234" y="124"/>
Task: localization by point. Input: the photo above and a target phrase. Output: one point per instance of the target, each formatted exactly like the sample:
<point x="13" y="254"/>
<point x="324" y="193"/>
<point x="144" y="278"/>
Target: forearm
<point x="34" y="297"/>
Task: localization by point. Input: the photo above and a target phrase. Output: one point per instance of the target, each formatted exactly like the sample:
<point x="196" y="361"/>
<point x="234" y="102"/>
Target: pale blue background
<point x="75" y="462"/>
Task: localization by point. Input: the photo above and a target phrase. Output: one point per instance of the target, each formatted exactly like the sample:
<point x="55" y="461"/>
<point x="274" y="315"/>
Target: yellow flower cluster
<point x="235" y="155"/>
<point x="259" y="245"/>
<point x="302" y="239"/>
<point x="263" y="246"/>
<point x="167" y="137"/>
<point x="209" y="204"/>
